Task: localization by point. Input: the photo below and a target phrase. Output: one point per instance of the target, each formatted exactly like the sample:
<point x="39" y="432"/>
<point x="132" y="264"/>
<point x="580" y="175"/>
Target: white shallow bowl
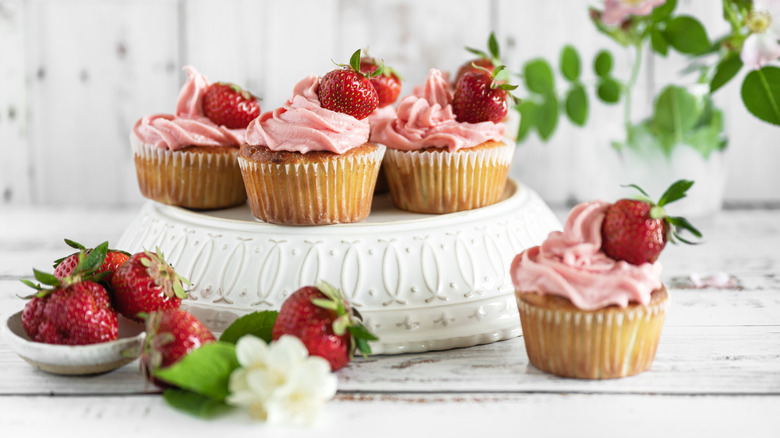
<point x="421" y="282"/>
<point x="76" y="359"/>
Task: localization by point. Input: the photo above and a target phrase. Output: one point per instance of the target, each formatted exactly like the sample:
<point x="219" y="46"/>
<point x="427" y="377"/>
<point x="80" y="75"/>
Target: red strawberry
<point x="170" y="335"/>
<point x="146" y="283"/>
<point x="229" y="105"/>
<point x="75" y="310"/>
<point x="387" y="84"/>
<point x="324" y="320"/>
<point x="636" y="230"/>
<point x="114" y="259"/>
<point x="479" y="98"/>
<point x="347" y="90"/>
<point x="487" y="60"/>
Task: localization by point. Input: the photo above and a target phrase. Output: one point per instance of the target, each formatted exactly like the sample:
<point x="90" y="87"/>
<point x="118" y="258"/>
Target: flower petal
<point x="760" y="49"/>
<point x="251" y="350"/>
<point x="286" y="353"/>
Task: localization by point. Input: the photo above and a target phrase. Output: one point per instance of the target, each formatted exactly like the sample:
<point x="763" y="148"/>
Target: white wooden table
<point x="717" y="371"/>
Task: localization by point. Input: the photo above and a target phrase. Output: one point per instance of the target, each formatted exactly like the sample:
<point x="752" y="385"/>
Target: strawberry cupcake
<point x="591" y="300"/>
<point x="188" y="159"/>
<point x="310" y="162"/>
<point x="435" y="162"/>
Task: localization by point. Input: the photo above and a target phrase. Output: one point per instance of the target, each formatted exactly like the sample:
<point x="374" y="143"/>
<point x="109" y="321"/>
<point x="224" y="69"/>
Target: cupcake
<point x="305" y="164"/>
<point x="436" y="163"/>
<point x="388" y="89"/>
<point x="189" y="159"/>
<point x="591" y="314"/>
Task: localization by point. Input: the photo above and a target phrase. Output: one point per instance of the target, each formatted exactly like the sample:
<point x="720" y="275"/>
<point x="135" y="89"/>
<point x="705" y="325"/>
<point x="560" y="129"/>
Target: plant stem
<point x="630" y="86"/>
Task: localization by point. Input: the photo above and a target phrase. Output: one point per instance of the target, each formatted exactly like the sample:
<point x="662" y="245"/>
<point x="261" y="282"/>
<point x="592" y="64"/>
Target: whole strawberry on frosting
<point x="326" y="323"/>
<point x="74" y="310"/>
<point x="480" y="97"/>
<point x="347" y="90"/>
<point x="487" y="60"/>
<point x="229" y="105"/>
<point x="387" y="84"/>
<point x="636" y="230"/>
<point x="147" y="283"/>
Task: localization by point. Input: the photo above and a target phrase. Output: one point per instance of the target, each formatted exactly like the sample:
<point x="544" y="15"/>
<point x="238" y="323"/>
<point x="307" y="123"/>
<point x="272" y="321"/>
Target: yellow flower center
<point x="632" y="3"/>
<point x="758" y="21"/>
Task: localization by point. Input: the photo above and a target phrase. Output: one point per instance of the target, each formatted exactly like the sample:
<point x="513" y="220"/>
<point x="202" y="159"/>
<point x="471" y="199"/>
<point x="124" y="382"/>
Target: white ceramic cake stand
<point x="421" y="282"/>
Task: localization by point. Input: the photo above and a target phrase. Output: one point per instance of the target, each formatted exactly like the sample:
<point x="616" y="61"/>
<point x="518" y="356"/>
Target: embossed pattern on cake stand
<point x="422" y="282"/>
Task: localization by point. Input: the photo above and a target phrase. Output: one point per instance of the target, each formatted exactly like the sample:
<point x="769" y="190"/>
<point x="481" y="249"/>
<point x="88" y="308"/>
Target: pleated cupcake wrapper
<point x="330" y="192"/>
<point x="445" y="182"/>
<point x="198" y="180"/>
<point x="602" y="344"/>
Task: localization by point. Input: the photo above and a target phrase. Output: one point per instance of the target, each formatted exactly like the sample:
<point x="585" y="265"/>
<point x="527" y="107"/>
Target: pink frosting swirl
<point x="303" y="125"/>
<point x="427" y="120"/>
<point x="571" y="264"/>
<point x="189" y="127"/>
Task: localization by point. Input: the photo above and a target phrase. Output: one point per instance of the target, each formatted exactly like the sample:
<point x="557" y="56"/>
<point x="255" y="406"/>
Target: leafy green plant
<point x="680" y="116"/>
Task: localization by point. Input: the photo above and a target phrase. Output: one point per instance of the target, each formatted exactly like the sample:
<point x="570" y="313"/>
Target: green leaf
<point x="94" y="259"/>
<point x="602" y="64"/>
<point x="493" y="46"/>
<point x="354" y="60"/>
<point x="761" y="94"/>
<point x="658" y="42"/>
<point x="547" y="117"/>
<point x="687" y="35"/>
<point x="577" y="105"/>
<point x="360" y="332"/>
<point x="608" y="90"/>
<point x="539" y="76"/>
<point x="675" y="192"/>
<point x="194" y="404"/>
<point x="637" y="188"/>
<point x="676" y="111"/>
<point x="260" y="324"/>
<point x="708" y="136"/>
<point x="205" y="371"/>
<point x="74" y="244"/>
<point x="527" y="110"/>
<point x="663" y="12"/>
<point x="681" y="222"/>
<point x="727" y="68"/>
<point x="570" y="63"/>
<point x="46" y="278"/>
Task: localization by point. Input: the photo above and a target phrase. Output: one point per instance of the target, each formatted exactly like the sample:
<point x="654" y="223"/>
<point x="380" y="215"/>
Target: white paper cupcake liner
<point x="446" y="182"/>
<point x="198" y="180"/>
<point x="602" y="344"/>
<point x="333" y="191"/>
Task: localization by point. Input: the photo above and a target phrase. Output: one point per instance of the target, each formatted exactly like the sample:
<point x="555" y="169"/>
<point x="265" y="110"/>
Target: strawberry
<point x="347" y="90"/>
<point x="170" y="335"/>
<point x="64" y="267"/>
<point x="480" y="98"/>
<point x="387" y="84"/>
<point x="636" y="230"/>
<point x="229" y="105"/>
<point x="75" y="310"/>
<point x="324" y="320"/>
<point x="487" y="60"/>
<point x="146" y="283"/>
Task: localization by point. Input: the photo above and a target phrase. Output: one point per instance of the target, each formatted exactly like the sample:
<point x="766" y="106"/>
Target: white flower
<point x="761" y="45"/>
<point x="280" y="382"/>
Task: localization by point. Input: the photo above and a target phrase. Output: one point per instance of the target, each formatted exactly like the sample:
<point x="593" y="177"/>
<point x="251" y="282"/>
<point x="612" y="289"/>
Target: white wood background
<point x="76" y="74"/>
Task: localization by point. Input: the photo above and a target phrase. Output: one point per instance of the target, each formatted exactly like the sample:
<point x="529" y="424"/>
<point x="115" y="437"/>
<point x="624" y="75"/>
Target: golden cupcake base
<point x="605" y="343"/>
<point x="438" y="181"/>
<point x="196" y="177"/>
<point x="310" y="189"/>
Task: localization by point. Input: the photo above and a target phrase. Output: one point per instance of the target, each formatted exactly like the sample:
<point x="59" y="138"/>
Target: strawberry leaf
<point x="675" y="192"/>
<point x="74" y="245"/>
<point x="638" y="188"/>
<point x="36" y="286"/>
<point x="682" y="223"/>
<point x="493" y="45"/>
<point x="360" y="332"/>
<point x="354" y="60"/>
<point x="478" y="52"/>
<point x="93" y="260"/>
<point x="260" y="324"/>
<point x="194" y="404"/>
<point x="205" y="371"/>
<point x="46" y="278"/>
